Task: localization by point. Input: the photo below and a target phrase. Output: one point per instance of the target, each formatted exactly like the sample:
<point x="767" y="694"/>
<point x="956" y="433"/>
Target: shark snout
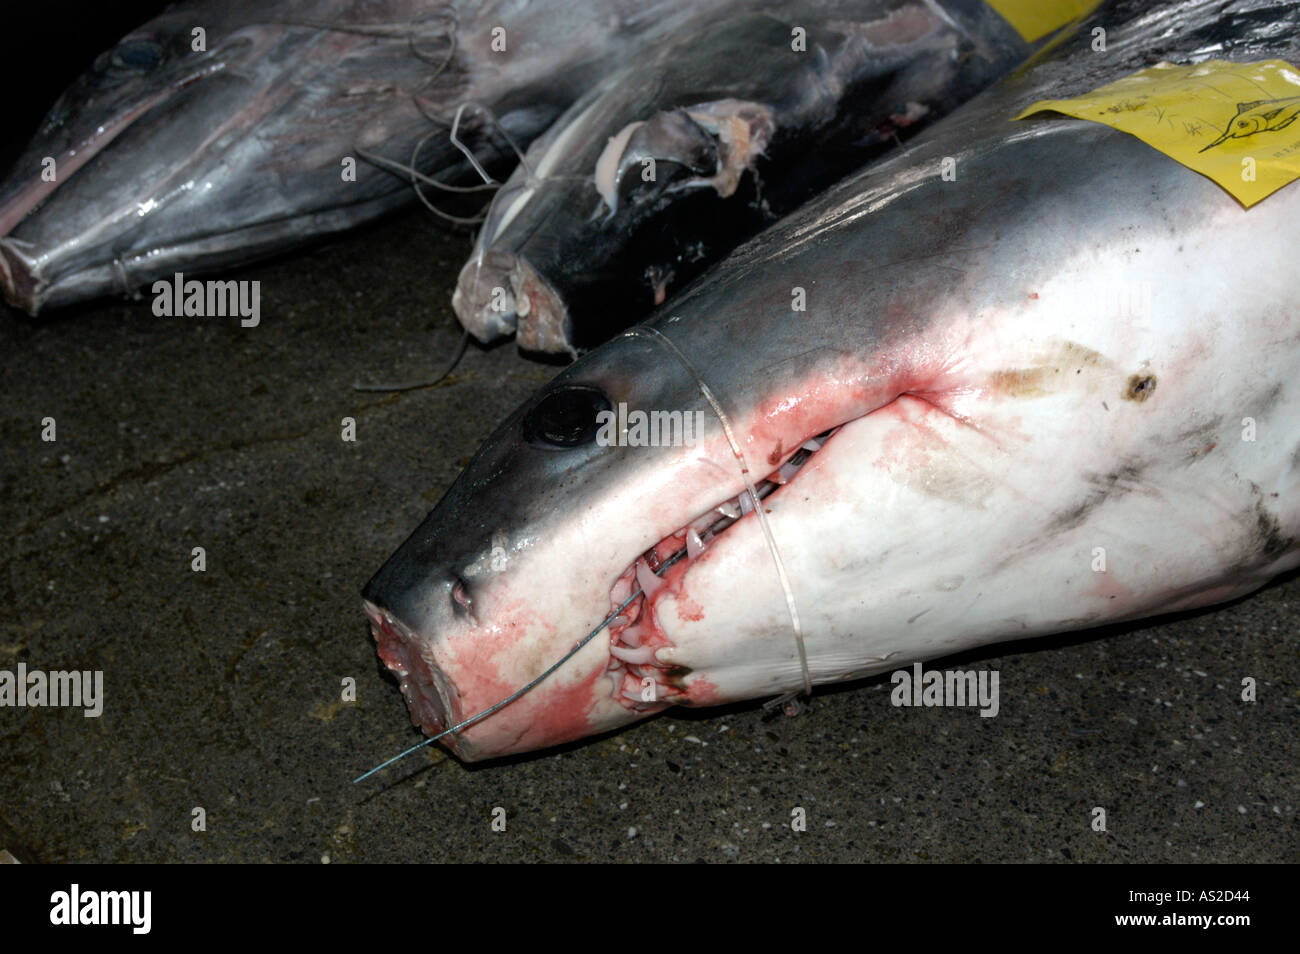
<point x="409" y="657"/>
<point x="417" y="607"/>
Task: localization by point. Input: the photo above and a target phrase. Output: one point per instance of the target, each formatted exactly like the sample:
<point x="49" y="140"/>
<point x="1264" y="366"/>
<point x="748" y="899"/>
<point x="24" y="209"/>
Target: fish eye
<point x="136" y="56"/>
<point x="565" y="417"/>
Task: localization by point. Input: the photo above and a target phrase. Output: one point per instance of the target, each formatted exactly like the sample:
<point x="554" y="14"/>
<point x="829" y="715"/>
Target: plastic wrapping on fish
<point x="285" y="122"/>
<point x="704" y="140"/>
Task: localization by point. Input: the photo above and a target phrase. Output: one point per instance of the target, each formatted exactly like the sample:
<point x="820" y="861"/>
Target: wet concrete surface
<point x="223" y="687"/>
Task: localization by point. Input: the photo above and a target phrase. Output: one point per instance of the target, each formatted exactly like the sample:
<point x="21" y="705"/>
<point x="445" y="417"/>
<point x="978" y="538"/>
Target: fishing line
<point x="412" y="169"/>
<point x="417" y="385"/>
<point x="530" y="177"/>
<point x="656" y="334"/>
<point x="469" y="153"/>
<point x="124" y="279"/>
<point x="392" y="165"/>
<point x="451" y="50"/>
<point x="415" y="174"/>
<point x="532" y="685"/>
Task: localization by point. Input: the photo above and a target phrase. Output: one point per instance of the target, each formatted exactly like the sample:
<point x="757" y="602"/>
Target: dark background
<point x="45" y="46"/>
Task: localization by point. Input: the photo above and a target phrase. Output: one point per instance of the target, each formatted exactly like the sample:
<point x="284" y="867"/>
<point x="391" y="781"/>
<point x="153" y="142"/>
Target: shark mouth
<point x="640" y="679"/>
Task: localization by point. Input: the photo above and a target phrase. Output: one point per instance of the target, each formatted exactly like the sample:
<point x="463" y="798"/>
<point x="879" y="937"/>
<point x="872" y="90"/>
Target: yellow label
<point x="1233" y="122"/>
<point x="1034" y="19"/>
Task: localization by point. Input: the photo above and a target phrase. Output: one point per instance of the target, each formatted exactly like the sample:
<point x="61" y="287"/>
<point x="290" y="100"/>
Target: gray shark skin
<point x="171" y="159"/>
<point x="1028" y="398"/>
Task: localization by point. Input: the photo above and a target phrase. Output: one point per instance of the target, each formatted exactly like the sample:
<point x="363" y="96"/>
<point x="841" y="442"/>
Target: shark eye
<point x="136" y="56"/>
<point x="565" y="417"/>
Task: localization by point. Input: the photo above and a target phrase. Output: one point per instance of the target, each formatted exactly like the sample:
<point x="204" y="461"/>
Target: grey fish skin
<point x="741" y="128"/>
<point x="172" y="160"/>
<point x="995" y="419"/>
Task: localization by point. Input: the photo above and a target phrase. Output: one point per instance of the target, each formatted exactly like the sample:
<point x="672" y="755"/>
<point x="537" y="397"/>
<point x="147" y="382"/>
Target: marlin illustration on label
<point x="1263" y="115"/>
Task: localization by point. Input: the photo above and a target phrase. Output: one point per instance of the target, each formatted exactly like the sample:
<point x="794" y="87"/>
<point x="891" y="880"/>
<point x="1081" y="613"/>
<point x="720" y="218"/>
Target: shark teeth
<point x="694" y="544"/>
<point x="646" y="579"/>
<point x="639" y="678"/>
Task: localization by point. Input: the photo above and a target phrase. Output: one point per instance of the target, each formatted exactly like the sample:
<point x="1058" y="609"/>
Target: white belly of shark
<point x="1070" y="472"/>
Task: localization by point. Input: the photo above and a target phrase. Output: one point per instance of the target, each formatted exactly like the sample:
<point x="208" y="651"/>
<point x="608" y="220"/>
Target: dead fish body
<point x="703" y="141"/>
<point x="970" y="435"/>
<point x="167" y="158"/>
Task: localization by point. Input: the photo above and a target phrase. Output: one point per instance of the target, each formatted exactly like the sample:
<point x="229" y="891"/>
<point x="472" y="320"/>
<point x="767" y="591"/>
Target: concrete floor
<point x="222" y="687"/>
